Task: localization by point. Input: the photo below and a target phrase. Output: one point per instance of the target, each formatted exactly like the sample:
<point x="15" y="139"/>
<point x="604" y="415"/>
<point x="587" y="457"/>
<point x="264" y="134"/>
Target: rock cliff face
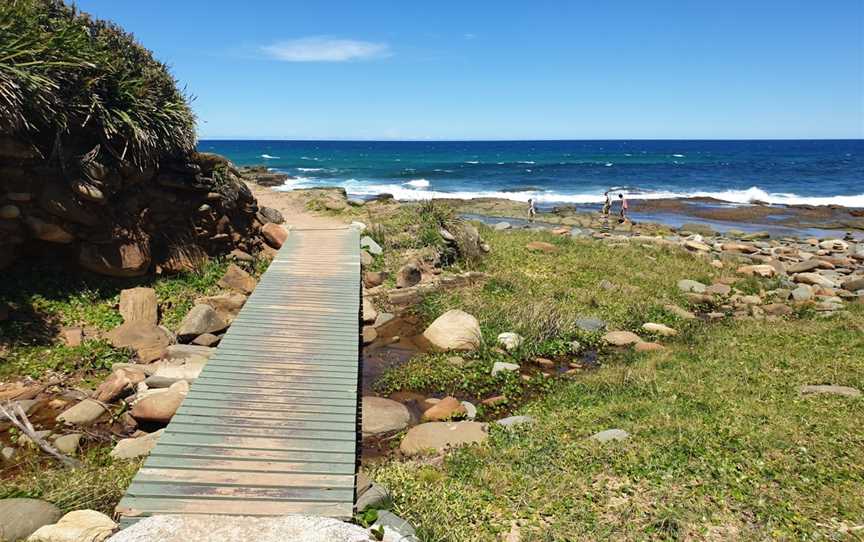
<point x="117" y="219"/>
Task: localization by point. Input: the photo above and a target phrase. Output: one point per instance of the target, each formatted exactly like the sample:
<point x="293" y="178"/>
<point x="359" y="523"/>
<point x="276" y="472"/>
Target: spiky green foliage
<point x="63" y="72"/>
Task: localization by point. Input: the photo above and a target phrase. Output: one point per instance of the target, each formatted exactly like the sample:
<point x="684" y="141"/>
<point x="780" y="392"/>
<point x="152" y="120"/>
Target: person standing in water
<point x="624" y="208"/>
<point x="532" y="211"/>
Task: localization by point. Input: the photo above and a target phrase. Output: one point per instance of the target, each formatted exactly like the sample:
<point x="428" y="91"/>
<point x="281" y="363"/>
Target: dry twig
<point x="16" y="415"/>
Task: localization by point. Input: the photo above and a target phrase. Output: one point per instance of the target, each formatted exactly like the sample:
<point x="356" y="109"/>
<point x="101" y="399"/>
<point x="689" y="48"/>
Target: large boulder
<point x="445" y="409"/>
<point x="77" y="526"/>
<point x="133" y="448"/>
<point x="369" y="312"/>
<point x="382" y="415"/>
<point x="438" y="436"/>
<point x="691" y="286"/>
<point x="201" y="319"/>
<point x="408" y="275"/>
<point x="123" y="380"/>
<point x="160" y="405"/>
<point x="84" y="413"/>
<point x="237" y="279"/>
<point x="204" y="528"/>
<point x="19" y="518"/>
<point x="814" y="279"/>
<point x="129" y="258"/>
<point x="454" y="330"/>
<point x="621" y="338"/>
<point x="48" y="231"/>
<point x="148" y="341"/>
<point x="226" y="305"/>
<point x="139" y="305"/>
<point x="274" y="234"/>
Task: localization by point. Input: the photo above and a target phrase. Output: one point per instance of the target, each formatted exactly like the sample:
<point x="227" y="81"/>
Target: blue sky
<point x="510" y="70"/>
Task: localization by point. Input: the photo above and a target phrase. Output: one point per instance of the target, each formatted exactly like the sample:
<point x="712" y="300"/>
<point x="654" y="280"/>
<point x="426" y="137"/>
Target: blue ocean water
<point x="785" y="172"/>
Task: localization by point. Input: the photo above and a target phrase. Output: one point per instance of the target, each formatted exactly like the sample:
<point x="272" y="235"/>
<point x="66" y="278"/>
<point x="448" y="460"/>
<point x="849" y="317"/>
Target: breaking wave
<point x="418" y="190"/>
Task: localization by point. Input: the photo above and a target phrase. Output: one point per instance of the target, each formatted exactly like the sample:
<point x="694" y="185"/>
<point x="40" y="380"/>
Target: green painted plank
<point x="225" y="478"/>
<point x="249" y="465"/>
<point x="268" y="414"/>
<point x="215" y="492"/>
<point x="222" y="452"/>
<point x="267" y="432"/>
<point x="262" y="443"/>
<point x="287" y="408"/>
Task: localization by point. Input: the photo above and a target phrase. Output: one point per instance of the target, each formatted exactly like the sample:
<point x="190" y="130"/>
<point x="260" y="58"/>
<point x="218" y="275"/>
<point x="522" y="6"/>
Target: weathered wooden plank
<point x="224" y="452"/>
<point x="275" y="423"/>
<point x="180" y="462"/>
<point x="259" y="431"/>
<point x="235" y="411"/>
<point x="136" y="507"/>
<point x="277" y="374"/>
<point x="293" y="397"/>
<point x="214" y="492"/>
<point x="279" y="387"/>
<point x="220" y="477"/>
<point x="308" y="406"/>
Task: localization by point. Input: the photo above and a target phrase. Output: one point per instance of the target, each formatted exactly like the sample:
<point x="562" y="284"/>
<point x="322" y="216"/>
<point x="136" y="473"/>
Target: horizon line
<point x="540" y="140"/>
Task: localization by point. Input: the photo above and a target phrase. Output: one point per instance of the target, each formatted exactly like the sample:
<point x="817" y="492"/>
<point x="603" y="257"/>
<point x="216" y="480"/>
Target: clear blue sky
<point x="562" y="69"/>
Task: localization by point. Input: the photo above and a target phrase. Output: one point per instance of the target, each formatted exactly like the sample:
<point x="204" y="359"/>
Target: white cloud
<point x="469" y="36"/>
<point x="323" y="49"/>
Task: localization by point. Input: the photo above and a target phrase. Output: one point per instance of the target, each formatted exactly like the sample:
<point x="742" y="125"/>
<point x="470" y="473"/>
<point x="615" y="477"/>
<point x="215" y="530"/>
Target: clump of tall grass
<point x="65" y="73"/>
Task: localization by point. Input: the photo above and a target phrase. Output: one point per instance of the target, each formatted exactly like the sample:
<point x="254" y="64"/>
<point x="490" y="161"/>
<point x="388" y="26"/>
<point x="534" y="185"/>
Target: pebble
<point x="610" y="435"/>
<point x="621" y="338"/>
<point x="691" y="286"/>
<point x="513" y="421"/>
<point x="659" y="329"/>
<point x="502" y="366"/>
<point x="510" y="341"/>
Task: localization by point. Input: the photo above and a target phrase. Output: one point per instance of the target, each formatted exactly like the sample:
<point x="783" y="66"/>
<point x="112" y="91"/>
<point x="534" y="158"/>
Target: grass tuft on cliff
<point x="63" y="72"/>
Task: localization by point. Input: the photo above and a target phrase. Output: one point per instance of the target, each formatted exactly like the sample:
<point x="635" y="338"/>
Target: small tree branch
<point x="16" y="415"/>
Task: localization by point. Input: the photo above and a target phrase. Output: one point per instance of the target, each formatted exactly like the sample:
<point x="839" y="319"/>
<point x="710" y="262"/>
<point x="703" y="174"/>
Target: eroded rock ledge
<point x="118" y="219"/>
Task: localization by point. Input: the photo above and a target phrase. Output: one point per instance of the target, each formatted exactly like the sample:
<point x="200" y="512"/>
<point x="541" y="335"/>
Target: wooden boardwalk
<point x="271" y="426"/>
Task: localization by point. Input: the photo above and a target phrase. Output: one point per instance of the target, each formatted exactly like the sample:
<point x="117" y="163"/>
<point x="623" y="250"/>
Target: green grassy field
<point x="722" y="445"/>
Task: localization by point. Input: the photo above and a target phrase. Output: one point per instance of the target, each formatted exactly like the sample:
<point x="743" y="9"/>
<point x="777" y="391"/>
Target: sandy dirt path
<point x="293" y="209"/>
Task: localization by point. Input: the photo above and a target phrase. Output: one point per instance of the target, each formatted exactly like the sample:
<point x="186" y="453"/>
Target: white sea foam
<point x="418" y="183"/>
<point x="526" y="162"/>
<point x="295" y="182"/>
<point x="309" y="169"/>
<point x="678" y="155"/>
<point x="268" y="157"/>
<point x="472" y="162"/>
<point x="750" y="195"/>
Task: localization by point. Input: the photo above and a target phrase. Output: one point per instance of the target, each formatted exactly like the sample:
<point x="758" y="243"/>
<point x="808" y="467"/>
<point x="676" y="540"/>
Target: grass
<point x="68" y="78"/>
<point x="97" y="485"/>
<point x="722" y="445"/>
<point x="47" y="299"/>
<point x="541" y="296"/>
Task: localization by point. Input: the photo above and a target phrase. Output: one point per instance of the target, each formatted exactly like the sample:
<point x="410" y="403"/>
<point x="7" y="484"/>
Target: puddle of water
<point x="378" y="359"/>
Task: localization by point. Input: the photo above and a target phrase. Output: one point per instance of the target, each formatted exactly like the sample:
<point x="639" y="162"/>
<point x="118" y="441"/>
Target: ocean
<point x="817" y="172"/>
